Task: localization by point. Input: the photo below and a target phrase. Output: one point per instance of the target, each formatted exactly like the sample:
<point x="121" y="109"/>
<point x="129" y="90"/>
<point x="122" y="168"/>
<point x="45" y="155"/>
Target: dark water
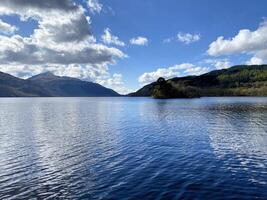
<point x="133" y="148"/>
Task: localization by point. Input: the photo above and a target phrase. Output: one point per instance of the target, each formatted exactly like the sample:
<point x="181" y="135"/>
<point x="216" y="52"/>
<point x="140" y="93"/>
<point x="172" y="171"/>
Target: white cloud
<point x="62" y="42"/>
<point x="141" y="41"/>
<point x="188" y="38"/>
<point x="245" y="42"/>
<point x="196" y="70"/>
<point x="116" y="82"/>
<point x="98" y="74"/>
<point x="109" y="39"/>
<point x="171" y="72"/>
<point x="94" y="6"/>
<point x="19" y="50"/>
<point x="255" y="61"/>
<point x="219" y="63"/>
<point x="6" y="28"/>
<point x="84" y="72"/>
<point x="62" y="36"/>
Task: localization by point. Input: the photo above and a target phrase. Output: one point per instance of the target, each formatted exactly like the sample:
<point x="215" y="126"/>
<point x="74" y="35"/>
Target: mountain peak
<point x="43" y="76"/>
<point x="47" y="85"/>
<point x="47" y="73"/>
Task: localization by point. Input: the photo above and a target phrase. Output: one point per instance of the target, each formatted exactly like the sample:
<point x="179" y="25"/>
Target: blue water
<point x="133" y="148"/>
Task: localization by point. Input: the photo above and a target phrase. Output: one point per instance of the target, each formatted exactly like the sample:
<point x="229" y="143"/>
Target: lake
<point x="133" y="148"/>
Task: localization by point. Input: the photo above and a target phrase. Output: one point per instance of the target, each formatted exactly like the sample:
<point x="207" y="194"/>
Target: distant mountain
<point x="68" y="87"/>
<point x="49" y="85"/>
<point x="11" y="86"/>
<point x="239" y="80"/>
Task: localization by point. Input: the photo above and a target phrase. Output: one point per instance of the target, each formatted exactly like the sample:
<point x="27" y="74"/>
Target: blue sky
<point x="130" y="43"/>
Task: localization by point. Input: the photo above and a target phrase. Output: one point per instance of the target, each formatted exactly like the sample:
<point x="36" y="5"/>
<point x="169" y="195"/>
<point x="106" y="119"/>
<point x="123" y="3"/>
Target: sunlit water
<point x="133" y="148"/>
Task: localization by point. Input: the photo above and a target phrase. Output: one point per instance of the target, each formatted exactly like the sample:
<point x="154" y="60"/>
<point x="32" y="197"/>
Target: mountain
<point x="11" y="86"/>
<point x="69" y="87"/>
<point x="239" y="80"/>
<point x="49" y="85"/>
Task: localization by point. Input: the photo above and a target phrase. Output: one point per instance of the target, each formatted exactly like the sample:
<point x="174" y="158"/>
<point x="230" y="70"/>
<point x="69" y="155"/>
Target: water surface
<point x="133" y="148"/>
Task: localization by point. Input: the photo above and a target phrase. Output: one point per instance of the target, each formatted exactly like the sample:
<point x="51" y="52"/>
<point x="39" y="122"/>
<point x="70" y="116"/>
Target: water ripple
<point x="133" y="148"/>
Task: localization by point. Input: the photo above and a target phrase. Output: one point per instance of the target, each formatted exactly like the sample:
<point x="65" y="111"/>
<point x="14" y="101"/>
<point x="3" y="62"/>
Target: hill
<point x="49" y="85"/>
<point x="11" y="86"/>
<point x="239" y="80"/>
<point x="68" y="87"/>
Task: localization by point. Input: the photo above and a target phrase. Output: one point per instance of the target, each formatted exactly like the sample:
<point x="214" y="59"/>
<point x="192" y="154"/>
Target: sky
<point x="125" y="44"/>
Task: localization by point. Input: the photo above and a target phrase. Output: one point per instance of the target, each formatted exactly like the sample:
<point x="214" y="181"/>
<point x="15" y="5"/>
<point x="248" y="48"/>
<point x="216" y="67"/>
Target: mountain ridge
<point x="49" y="85"/>
<point x="240" y="80"/>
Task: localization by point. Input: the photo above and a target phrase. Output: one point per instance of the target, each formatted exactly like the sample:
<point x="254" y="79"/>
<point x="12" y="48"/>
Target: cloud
<point x="84" y="72"/>
<point x="255" y="61"/>
<point x="245" y="42"/>
<point x="109" y="39"/>
<point x="219" y="63"/>
<point x="99" y="74"/>
<point x="116" y="82"/>
<point x="19" y="50"/>
<point x="94" y="6"/>
<point x="37" y="9"/>
<point x="62" y="41"/>
<point x="188" y="38"/>
<point x="6" y="28"/>
<point x="171" y="72"/>
<point x="196" y="70"/>
<point x="62" y="36"/>
<point x="141" y="41"/>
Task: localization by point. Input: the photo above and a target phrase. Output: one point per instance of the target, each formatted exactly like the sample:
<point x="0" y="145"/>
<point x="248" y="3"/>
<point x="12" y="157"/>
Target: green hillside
<point x="239" y="80"/>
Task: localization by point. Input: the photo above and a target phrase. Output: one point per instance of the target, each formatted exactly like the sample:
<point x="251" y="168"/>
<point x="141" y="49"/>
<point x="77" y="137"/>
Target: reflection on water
<point x="131" y="148"/>
<point x="238" y="136"/>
